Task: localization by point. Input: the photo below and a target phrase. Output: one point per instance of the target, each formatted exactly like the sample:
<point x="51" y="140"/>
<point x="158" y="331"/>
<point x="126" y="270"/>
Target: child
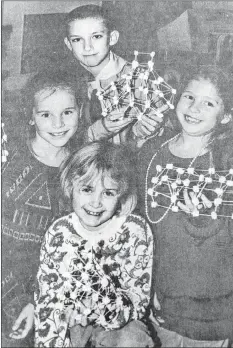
<point x="91" y="32"/>
<point x="96" y="262"/>
<point x="189" y="203"/>
<point x="30" y="191"/>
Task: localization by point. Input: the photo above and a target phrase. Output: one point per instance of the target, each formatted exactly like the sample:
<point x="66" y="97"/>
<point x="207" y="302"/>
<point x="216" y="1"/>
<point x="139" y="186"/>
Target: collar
<point x="113" y="67"/>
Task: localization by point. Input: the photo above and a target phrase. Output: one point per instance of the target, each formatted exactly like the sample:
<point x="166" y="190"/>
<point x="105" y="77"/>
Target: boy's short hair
<point x="102" y="158"/>
<point x="91" y="11"/>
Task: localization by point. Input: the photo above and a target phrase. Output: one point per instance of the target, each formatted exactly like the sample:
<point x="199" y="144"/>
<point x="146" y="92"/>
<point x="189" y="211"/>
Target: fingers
<point x="193" y="203"/>
<point x="117" y="125"/>
<point x="156" y="302"/>
<point x="117" y="113"/>
<point x="151" y="122"/>
<point x="188" y="207"/>
<point x="145" y="130"/>
<point x="19" y="320"/>
<point x="27" y="315"/>
<point x="163" y="108"/>
<point x="187" y="200"/>
<point x="183" y="207"/>
<point x="71" y="314"/>
<point x="16" y="334"/>
<point x="206" y="202"/>
<point x="22" y="333"/>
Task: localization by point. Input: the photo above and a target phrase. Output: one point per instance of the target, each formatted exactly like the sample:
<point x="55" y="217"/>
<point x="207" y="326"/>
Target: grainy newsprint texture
<point x="182" y="160"/>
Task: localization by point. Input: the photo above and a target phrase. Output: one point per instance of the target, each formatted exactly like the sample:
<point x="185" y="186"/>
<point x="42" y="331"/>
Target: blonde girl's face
<point x="200" y="108"/>
<point x="55" y="116"/>
<point x="95" y="203"/>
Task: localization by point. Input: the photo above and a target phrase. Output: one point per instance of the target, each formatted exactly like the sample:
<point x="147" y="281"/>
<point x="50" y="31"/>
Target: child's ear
<point x="226" y="118"/>
<point x="114" y="36"/>
<point x="67" y="43"/>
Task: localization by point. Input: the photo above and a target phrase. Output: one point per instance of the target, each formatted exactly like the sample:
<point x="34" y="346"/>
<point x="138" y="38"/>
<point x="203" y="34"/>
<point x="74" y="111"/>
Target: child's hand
<point x="156" y="302"/>
<point x="154" y="318"/>
<point x="115" y="121"/>
<point x="149" y="123"/>
<point x="194" y="204"/>
<point x="24" y="322"/>
<point x="75" y="318"/>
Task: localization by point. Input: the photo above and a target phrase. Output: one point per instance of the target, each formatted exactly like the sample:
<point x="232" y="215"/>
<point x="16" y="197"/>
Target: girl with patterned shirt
<point x="31" y="198"/>
<point x="95" y="265"/>
<point x="188" y="200"/>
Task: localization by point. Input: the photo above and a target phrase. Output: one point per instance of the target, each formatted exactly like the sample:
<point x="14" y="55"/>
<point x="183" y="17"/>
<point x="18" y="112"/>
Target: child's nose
<point x="195" y="106"/>
<point x="96" y="200"/>
<point x="58" y="122"/>
<point x="88" y="45"/>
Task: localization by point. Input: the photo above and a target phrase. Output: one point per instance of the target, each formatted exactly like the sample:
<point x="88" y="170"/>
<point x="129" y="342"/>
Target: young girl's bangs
<point x="94" y="172"/>
<point x="50" y="90"/>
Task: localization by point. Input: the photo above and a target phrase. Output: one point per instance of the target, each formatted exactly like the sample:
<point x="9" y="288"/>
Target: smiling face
<point x="200" y="108"/>
<point x="55" y="116"/>
<point x="96" y="202"/>
<point x="90" y="42"/>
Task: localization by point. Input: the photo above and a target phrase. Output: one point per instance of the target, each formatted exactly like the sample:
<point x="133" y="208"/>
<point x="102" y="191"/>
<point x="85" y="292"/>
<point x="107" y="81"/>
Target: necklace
<point x="176" y="179"/>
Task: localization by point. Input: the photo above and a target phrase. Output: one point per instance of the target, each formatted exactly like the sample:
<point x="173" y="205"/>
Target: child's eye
<point x="45" y="114"/>
<point x="97" y="36"/>
<point x="208" y="103"/>
<point x="68" y="112"/>
<point x="76" y="39"/>
<point x="110" y="193"/>
<point x="86" y="189"/>
<point x="188" y="96"/>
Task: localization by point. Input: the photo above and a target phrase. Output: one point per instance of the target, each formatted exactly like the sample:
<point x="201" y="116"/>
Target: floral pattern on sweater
<point x="105" y="278"/>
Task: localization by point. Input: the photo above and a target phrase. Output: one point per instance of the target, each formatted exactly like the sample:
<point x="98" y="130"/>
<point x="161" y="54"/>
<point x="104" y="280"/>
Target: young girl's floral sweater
<point x="105" y="275"/>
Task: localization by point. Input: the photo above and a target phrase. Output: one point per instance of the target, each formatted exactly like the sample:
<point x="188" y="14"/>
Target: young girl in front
<point x="30" y="191"/>
<point x="188" y="201"/>
<point x="95" y="264"/>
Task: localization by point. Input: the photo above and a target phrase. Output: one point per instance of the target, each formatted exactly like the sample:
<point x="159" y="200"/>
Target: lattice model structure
<point x="141" y="90"/>
<point x="165" y="189"/>
<point x="93" y="294"/>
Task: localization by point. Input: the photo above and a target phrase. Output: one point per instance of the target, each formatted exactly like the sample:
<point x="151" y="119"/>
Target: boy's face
<point x="55" y="117"/>
<point x="90" y="42"/>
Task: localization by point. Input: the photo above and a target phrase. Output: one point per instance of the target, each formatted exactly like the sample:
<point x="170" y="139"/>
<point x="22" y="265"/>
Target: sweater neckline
<point x="104" y="233"/>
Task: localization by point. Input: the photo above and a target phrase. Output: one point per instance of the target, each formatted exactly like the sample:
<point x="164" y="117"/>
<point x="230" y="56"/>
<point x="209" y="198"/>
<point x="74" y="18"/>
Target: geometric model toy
<point x="141" y="90"/>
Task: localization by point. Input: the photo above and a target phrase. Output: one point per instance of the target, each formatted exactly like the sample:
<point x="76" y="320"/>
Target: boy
<point x="90" y="35"/>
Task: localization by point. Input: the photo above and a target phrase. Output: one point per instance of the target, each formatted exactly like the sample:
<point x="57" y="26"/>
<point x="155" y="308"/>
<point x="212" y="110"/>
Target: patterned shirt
<point x="29" y="205"/>
<point x="105" y="275"/>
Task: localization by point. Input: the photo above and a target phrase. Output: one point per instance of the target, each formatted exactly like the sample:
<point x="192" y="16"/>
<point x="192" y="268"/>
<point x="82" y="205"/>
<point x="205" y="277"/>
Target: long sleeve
<point x="50" y="328"/>
<point x="137" y="270"/>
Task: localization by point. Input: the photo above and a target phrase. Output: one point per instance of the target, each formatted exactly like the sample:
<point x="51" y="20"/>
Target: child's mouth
<point x="190" y="119"/>
<point x="90" y="55"/>
<point x="93" y="213"/>
<point x="58" y="134"/>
